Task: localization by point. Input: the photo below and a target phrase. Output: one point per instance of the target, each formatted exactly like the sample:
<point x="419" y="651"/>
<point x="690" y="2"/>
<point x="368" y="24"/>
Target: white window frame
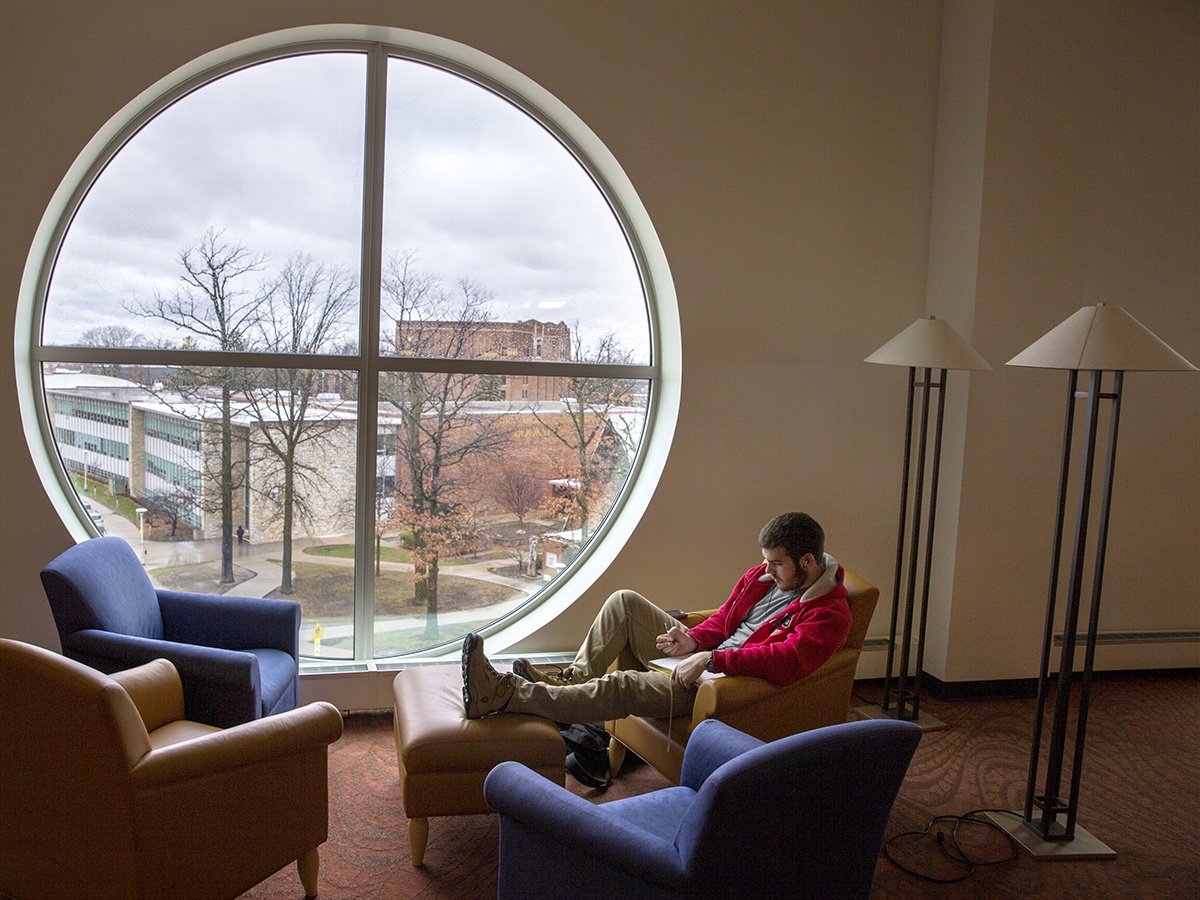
<point x="380" y="43"/>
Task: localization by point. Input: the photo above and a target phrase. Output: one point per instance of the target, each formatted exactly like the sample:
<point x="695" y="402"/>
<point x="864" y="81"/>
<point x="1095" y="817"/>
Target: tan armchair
<point x="753" y="705"/>
<point x="107" y="791"/>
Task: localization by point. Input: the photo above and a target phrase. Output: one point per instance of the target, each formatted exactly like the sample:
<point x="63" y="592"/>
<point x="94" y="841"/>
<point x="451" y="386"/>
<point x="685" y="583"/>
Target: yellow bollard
<point x="317" y="633"/>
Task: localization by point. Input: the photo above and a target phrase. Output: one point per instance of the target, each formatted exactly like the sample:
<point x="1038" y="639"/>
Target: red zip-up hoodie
<point x="793" y="643"/>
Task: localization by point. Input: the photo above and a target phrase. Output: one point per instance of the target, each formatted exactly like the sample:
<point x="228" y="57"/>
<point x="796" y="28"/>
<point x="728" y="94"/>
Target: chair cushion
<point x="443" y="757"/>
<point x="101" y="584"/>
<point x="179" y="731"/>
<point x="658" y="812"/>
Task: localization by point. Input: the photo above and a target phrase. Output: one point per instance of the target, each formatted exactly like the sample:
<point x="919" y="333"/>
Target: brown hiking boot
<point x="556" y="675"/>
<point x="485" y="691"/>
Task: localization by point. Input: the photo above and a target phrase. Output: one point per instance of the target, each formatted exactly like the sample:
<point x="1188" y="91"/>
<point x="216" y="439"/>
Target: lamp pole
<point x="1050" y="802"/>
<point x="908" y="700"/>
<point x="928" y="344"/>
<point x="1096" y="339"/>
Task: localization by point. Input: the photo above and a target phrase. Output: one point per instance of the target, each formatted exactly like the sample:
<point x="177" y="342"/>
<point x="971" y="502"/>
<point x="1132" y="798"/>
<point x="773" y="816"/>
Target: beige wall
<point x="1091" y="194"/>
<point x="786" y="156"/>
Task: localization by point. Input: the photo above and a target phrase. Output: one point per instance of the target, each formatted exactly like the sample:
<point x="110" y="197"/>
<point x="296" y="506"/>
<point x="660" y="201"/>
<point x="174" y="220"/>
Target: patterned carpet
<point x="1140" y="795"/>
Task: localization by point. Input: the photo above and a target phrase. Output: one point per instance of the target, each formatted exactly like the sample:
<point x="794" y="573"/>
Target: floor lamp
<point x="926" y="344"/>
<point x="1095" y="340"/>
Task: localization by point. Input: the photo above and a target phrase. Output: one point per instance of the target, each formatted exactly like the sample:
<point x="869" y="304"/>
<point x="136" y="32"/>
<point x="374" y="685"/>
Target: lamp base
<point x="1083" y="845"/>
<point x="923" y="719"/>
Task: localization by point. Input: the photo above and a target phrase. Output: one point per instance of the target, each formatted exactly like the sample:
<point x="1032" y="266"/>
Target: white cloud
<point x="273" y="154"/>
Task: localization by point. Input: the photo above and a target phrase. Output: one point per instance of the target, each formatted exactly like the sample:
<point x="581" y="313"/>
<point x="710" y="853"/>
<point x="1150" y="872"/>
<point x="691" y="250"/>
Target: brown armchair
<point x="108" y="791"/>
<point x="749" y="704"/>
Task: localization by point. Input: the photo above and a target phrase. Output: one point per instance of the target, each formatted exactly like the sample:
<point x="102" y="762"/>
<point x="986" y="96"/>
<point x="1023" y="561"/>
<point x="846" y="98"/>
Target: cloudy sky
<point x="272" y="154"/>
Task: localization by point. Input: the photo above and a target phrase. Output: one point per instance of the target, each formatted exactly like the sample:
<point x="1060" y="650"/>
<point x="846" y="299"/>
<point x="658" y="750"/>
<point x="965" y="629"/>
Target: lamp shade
<point x="930" y="343"/>
<point x="1102" y="337"/>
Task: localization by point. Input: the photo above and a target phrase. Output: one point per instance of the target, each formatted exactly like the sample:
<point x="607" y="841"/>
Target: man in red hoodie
<point x="784" y="618"/>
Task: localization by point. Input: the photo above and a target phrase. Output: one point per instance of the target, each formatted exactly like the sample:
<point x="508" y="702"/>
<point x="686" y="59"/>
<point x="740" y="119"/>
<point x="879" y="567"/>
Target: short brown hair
<point x="797" y="533"/>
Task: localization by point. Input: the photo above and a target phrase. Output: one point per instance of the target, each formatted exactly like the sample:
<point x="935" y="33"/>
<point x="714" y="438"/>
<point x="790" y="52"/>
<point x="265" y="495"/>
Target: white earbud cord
<point x="670" y="711"/>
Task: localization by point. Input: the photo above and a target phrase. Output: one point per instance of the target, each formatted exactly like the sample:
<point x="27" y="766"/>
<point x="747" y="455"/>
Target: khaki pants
<point x="627" y="621"/>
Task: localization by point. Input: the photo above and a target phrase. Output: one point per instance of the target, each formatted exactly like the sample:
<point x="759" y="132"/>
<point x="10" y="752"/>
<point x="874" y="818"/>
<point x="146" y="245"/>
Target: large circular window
<point x="372" y="324"/>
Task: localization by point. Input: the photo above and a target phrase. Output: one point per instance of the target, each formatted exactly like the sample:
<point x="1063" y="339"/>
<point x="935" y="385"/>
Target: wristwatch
<point x="708" y="666"/>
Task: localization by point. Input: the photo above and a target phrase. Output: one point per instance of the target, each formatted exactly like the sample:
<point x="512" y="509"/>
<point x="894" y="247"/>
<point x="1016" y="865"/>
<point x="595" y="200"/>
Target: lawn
<point x="400" y="555"/>
<point x="394" y="643"/>
<point x="97" y="492"/>
<point x="201" y="578"/>
<point x="326" y="592"/>
<point x="346" y="551"/>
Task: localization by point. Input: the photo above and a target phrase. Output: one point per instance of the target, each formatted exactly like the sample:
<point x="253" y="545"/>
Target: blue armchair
<point x="803" y="816"/>
<point x="238" y="657"/>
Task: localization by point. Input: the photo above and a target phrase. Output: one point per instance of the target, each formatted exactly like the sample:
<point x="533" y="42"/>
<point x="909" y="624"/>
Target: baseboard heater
<point x="1105" y="637"/>
<point x="1000" y="689"/>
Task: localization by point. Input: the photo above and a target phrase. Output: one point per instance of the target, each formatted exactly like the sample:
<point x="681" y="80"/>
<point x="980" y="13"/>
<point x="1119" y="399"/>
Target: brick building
<point x="529" y="339"/>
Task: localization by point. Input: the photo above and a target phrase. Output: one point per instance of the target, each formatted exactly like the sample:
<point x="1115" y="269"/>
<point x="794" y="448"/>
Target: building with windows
<point x="529" y="339"/>
<point x="90" y="418"/>
<point x="164" y="451"/>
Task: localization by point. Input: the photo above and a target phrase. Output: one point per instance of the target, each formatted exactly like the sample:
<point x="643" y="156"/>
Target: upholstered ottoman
<point x="443" y="756"/>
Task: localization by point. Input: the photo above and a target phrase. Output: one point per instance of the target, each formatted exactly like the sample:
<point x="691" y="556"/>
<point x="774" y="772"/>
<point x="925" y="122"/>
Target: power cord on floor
<point x="950" y="847"/>
<point x="947" y="841"/>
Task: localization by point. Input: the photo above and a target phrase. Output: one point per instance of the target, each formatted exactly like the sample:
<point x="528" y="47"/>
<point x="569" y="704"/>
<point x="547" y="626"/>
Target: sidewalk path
<point x="263" y="560"/>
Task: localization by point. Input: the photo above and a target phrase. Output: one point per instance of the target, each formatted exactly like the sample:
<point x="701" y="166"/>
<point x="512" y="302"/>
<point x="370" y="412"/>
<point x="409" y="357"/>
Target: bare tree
<point x="585" y="429"/>
<point x="489" y="387"/>
<point x="518" y="492"/>
<point x="305" y="313"/>
<point x="179" y="501"/>
<point x="436" y="435"/>
<point x="214" y="312"/>
<point x="117" y="337"/>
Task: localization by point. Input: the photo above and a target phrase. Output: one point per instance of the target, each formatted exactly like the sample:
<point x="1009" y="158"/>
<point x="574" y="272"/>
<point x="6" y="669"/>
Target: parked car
<point x="95" y="517"/>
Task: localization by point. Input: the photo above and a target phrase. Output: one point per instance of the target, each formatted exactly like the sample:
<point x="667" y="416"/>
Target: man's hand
<point x="688" y="672"/>
<point x="676" y="642"/>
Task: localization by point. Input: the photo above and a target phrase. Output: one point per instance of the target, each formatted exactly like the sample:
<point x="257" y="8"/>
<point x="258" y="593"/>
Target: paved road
<point x="263" y="561"/>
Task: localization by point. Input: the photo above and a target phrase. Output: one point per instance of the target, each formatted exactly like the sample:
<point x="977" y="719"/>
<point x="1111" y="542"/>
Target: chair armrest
<point x="231" y="623"/>
<point x="710" y="746"/>
<point x="573" y="825"/>
<point x="220" y="687"/>
<point x="155" y="690"/>
<point x="234" y="668"/>
<point x="757" y="706"/>
<point x="261" y="741"/>
<point x="718" y="697"/>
